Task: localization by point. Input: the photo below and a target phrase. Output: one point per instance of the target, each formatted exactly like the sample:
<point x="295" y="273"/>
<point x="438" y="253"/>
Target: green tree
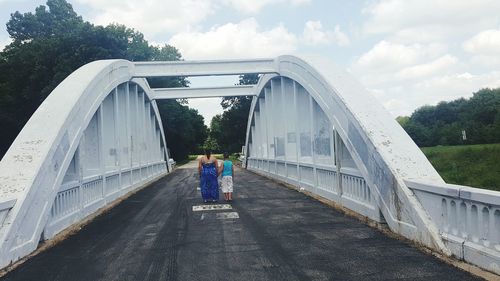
<point x="215" y="133"/>
<point x="184" y="128"/>
<point x="247" y="79"/>
<point x="403" y="120"/>
<point x="233" y="121"/>
<point x="54" y="41"/>
<point x="442" y="124"/>
<point x="211" y="144"/>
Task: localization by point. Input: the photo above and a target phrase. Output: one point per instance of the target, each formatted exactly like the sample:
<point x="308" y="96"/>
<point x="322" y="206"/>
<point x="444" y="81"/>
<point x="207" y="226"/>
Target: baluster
<point x="463" y="220"/>
<point x="474" y="224"/>
<point x="485" y="223"/>
<point x="496" y="232"/>
<point x="453" y="216"/>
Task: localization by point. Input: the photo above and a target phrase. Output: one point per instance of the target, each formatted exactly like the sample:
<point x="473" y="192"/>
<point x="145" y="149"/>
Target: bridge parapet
<point x="349" y="189"/>
<point x="468" y="220"/>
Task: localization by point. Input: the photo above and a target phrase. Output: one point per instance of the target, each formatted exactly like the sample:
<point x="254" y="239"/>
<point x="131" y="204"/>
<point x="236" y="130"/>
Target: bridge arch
<point x="97" y="136"/>
<point x="368" y="155"/>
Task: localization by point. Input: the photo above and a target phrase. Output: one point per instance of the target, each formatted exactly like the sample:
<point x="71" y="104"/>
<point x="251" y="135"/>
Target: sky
<point x="407" y="53"/>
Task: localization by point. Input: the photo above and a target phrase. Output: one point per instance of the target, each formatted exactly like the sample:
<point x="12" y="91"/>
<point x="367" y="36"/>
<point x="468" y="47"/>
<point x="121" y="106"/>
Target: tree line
<point x="52" y="42"/>
<point x="227" y="131"/>
<point x="462" y="121"/>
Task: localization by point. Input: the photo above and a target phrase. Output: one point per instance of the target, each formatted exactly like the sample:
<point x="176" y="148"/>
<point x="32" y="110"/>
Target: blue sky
<point x="407" y="53"/>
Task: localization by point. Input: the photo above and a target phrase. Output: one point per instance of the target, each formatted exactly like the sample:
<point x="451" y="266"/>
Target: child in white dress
<point x="227" y="172"/>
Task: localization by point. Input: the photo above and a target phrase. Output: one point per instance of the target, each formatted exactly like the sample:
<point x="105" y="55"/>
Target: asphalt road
<point x="270" y="233"/>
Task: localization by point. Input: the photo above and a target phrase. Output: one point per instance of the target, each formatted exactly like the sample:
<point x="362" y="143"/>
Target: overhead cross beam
<point x="204" y="68"/>
<point x="204" y="92"/>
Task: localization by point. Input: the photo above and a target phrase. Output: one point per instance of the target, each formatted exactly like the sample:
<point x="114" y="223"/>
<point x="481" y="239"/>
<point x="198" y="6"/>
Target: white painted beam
<point x="203" y="67"/>
<point x="205" y="92"/>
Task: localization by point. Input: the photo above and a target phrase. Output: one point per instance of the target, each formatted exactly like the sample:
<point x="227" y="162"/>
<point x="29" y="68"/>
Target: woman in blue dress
<point x="208" y="171"/>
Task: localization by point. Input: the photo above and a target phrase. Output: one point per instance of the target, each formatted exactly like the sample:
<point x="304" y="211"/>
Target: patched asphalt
<point x="270" y="233"/>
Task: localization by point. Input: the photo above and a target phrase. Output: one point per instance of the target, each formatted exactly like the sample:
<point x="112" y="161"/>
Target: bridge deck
<point x="279" y="234"/>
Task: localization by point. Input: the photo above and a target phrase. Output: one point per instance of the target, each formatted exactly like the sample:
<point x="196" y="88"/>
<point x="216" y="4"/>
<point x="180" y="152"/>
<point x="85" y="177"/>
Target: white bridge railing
<point x="349" y="190"/>
<point x="78" y="199"/>
<point x="468" y="220"/>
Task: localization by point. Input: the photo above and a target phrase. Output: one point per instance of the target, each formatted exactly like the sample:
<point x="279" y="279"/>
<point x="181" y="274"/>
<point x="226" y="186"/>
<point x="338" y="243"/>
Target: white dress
<point x="227" y="177"/>
<point x="227" y="184"/>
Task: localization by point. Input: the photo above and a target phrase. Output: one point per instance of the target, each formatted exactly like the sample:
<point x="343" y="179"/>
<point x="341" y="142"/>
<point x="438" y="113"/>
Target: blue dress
<point x="208" y="182"/>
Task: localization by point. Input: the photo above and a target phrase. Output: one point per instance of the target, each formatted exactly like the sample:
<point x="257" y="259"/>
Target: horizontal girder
<point x="203" y="68"/>
<point x="204" y="92"/>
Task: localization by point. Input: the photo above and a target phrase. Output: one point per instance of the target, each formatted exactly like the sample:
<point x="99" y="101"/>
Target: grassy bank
<point x="185" y="161"/>
<point x="471" y="165"/>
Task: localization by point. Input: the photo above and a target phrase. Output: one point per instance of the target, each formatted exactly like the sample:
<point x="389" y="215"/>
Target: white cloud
<point x="397" y="107"/>
<point x="340" y="37"/>
<point x="489" y="61"/>
<point x="392" y="15"/>
<point x="315" y="35"/>
<point x="151" y="16"/>
<point x="427" y="69"/>
<point x="207" y="107"/>
<point x="459" y="84"/>
<point x="429" y="20"/>
<point x="417" y="61"/>
<point x="406" y="76"/>
<point x="484" y="48"/>
<point x="255" y="6"/>
<point x="486" y="42"/>
<point x="388" y="56"/>
<point x="404" y="99"/>
<point x="235" y="40"/>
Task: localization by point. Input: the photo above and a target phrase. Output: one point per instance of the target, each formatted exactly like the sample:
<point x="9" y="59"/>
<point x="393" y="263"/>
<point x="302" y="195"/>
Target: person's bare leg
<point x="230" y="196"/>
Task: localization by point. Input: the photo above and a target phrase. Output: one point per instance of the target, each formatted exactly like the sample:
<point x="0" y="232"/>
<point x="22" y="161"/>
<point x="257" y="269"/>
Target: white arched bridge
<point x="98" y="136"/>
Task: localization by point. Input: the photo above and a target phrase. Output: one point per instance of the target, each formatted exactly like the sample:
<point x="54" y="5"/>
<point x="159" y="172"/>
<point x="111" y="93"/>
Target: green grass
<point x="185" y="161"/>
<point x="182" y="162"/>
<point x="471" y="165"/>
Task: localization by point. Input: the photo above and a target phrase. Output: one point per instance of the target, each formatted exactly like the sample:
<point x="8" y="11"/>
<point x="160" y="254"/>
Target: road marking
<point x="227" y="215"/>
<point x="212" y="207"/>
<point x="220" y="216"/>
